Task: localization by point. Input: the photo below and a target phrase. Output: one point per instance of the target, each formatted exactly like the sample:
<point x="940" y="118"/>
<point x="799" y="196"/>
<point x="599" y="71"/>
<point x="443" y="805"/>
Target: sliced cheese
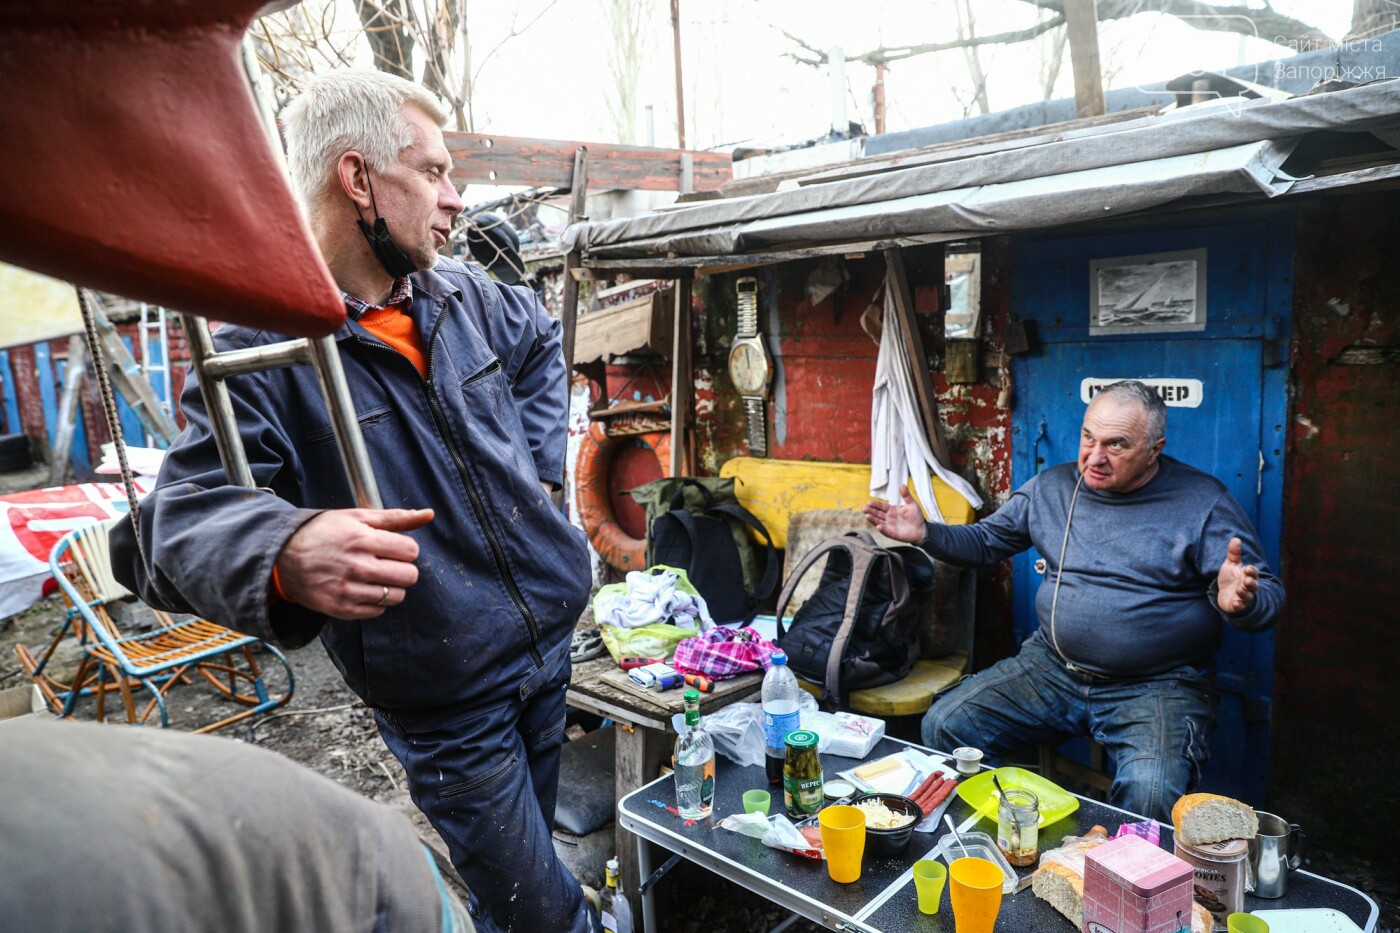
<point x="877" y="768"/>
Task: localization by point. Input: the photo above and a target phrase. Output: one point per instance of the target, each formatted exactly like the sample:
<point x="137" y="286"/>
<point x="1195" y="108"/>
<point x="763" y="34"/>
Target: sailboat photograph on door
<point x="1152" y="294"/>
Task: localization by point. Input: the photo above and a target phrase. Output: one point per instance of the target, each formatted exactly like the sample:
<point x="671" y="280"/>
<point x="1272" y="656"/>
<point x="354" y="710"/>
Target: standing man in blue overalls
<point x="451" y="611"/>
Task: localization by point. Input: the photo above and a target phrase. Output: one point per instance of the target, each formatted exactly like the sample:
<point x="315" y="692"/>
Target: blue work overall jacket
<point x="503" y="576"/>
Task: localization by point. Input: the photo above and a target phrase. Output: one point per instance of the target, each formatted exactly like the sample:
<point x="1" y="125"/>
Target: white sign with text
<point x="1177" y="393"/>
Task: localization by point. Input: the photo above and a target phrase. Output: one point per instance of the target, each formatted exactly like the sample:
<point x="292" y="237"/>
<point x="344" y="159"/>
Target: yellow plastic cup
<point x="843" y="839"/>
<point x="757" y="801"/>
<point x="929" y="877"/>
<point x="1245" y="923"/>
<point x="976" y="894"/>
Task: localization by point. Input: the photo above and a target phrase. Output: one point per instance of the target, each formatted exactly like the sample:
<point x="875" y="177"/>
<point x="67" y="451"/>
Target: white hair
<point x="1145" y="396"/>
<point x="343" y="111"/>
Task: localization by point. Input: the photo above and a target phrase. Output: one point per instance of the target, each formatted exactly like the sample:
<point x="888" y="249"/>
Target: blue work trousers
<point x="1156" y="729"/>
<point x="487" y="780"/>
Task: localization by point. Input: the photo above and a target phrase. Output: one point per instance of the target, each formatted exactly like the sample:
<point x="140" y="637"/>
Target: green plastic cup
<point x="757" y="801"/>
<point x="929" y="878"/>
<point x="1245" y="923"/>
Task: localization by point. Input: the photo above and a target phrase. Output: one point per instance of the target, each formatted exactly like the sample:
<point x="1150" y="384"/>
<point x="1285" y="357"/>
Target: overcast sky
<point x="740" y="89"/>
<point x="552" y="80"/>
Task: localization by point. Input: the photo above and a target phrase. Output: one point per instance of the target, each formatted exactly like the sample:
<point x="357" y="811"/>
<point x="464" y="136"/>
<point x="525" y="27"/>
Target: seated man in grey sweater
<point x="1146" y="558"/>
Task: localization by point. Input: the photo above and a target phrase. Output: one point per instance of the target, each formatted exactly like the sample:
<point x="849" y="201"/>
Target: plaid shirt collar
<point x="401" y="297"/>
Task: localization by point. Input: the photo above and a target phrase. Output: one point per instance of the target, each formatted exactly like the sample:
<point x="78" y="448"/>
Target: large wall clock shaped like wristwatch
<point x="750" y="367"/>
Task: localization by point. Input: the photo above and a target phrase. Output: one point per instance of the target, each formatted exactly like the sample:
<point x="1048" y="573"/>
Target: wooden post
<point x="640" y="754"/>
<point x="1082" y="29"/>
<point x="568" y="314"/>
<point x="680" y="86"/>
<point x="68" y="409"/>
<point x="681" y="461"/>
<point x="879" y="97"/>
<point x="914" y="350"/>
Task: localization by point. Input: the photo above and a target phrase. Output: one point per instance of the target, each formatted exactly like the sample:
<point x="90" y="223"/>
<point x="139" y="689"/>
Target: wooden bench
<point x="803" y="502"/>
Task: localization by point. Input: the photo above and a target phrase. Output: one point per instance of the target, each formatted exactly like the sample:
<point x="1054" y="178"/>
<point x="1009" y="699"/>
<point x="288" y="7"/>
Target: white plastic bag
<point x="737" y="729"/>
<point x="777" y="832"/>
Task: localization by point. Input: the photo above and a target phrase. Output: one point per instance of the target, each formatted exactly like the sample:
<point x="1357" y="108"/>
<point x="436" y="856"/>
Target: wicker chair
<point x="158" y="660"/>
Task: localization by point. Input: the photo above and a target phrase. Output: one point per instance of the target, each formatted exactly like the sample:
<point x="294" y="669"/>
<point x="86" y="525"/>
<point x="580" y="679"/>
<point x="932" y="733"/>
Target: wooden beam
<point x="665" y="267"/>
<point x="568" y="314"/>
<point x="914" y="350"/>
<point x="515" y="160"/>
<point x="681" y="382"/>
<point x="1082" y="26"/>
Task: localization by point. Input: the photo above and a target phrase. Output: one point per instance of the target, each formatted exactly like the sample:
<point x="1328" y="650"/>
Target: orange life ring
<point x="617" y="548"/>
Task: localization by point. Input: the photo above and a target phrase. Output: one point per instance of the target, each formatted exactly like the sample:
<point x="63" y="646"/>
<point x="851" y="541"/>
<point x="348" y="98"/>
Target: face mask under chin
<point x="390" y="255"/>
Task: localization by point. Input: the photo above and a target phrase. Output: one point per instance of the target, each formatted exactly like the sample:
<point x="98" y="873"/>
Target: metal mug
<point x="1277" y="849"/>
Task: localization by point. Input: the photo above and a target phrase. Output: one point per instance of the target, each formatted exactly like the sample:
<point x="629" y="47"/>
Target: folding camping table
<point x="884" y="898"/>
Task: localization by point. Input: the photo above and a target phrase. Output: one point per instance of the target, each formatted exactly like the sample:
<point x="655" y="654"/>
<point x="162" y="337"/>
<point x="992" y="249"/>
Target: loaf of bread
<point x="1201" y="819"/>
<point x="1063" y="889"/>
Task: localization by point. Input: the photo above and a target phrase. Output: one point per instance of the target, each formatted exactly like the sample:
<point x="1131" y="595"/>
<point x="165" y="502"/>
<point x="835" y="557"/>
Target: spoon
<point x="1015" y="823"/>
<point x="949" y="820"/>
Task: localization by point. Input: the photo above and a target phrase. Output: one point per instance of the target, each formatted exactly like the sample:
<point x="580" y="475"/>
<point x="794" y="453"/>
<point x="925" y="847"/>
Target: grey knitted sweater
<point x="1137" y="595"/>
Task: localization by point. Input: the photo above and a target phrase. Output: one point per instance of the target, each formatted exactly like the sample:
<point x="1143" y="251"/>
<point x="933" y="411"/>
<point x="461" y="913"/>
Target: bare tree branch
<point x="391" y="44"/>
<point x="1369" y="17"/>
<point x="1266" y="24"/>
<point x="886" y="54"/>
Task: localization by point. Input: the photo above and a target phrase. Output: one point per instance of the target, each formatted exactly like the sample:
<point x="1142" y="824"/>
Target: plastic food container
<point x="977" y="845"/>
<point x="969" y="759"/>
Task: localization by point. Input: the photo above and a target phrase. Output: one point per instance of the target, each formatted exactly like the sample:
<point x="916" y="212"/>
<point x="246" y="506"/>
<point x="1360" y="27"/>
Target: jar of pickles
<point x="1018" y="827"/>
<point x="802" y="774"/>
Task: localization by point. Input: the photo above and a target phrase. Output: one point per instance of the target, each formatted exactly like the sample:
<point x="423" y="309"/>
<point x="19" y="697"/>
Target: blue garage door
<point x="1202" y="313"/>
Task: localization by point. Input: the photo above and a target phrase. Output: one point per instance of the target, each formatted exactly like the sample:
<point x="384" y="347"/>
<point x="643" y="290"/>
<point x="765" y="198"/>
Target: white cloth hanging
<point x="899" y="449"/>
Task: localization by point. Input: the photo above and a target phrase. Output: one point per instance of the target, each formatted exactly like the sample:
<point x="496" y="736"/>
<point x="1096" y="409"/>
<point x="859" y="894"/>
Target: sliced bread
<point x="1201" y="819"/>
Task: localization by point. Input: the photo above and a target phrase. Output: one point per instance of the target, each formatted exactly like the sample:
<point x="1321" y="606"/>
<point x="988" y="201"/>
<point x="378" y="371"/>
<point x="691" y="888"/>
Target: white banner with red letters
<point x="34" y="520"/>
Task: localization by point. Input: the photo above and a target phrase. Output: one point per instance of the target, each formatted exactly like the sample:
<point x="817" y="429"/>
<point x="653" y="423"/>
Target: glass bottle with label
<point x="695" y="764"/>
<point x="613" y="906"/>
<point x="1018" y="827"/>
<point x="802" y="775"/>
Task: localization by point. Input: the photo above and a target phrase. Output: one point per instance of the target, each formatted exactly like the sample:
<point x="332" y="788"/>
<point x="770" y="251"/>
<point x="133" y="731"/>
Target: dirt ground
<point x="327" y="729"/>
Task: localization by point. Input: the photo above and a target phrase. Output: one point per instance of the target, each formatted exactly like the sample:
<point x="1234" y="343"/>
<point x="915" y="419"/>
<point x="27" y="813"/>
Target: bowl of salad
<point x="889" y="821"/>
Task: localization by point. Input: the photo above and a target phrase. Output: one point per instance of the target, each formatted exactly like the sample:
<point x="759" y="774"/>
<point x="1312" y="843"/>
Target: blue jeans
<point x="487" y="780"/>
<point x="1156" y="729"/>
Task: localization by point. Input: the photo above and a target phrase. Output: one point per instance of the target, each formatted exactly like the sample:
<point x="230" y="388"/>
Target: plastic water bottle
<point x="695" y="764"/>
<point x="616" y="911"/>
<point x="780" y="714"/>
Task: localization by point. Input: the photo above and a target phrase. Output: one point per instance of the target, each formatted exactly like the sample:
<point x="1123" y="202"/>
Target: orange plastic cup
<point x="975" y="890"/>
<point x="843" y="840"/>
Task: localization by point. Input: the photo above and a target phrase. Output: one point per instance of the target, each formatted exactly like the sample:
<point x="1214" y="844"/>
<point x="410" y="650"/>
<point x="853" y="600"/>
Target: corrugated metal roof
<point x="1228" y="147"/>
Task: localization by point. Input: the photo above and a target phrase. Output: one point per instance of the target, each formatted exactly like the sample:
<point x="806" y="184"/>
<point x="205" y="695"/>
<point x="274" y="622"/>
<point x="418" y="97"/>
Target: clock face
<point x="749" y="368"/>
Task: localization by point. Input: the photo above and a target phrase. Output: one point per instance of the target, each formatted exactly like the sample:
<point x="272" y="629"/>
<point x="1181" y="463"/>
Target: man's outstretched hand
<point x="1238" y="581"/>
<point x="352" y="563"/>
<point x="904" y="522"/>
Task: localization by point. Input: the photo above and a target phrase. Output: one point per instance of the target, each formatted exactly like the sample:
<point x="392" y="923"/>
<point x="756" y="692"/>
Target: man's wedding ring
<point x="383" y="600"/>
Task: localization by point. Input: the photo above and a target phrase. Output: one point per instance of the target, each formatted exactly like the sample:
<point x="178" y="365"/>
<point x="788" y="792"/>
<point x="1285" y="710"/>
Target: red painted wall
<point x="1337" y="691"/>
<point x="819" y="408"/>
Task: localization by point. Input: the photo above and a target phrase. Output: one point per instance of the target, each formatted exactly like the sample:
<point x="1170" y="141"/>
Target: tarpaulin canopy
<point x="1226" y="147"/>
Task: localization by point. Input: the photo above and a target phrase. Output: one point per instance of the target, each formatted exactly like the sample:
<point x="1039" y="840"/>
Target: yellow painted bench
<point x="776" y="490"/>
<point x="907" y="697"/>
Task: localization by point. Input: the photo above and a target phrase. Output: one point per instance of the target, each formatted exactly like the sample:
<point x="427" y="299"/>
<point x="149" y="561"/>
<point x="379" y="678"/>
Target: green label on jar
<point x="803" y="796"/>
